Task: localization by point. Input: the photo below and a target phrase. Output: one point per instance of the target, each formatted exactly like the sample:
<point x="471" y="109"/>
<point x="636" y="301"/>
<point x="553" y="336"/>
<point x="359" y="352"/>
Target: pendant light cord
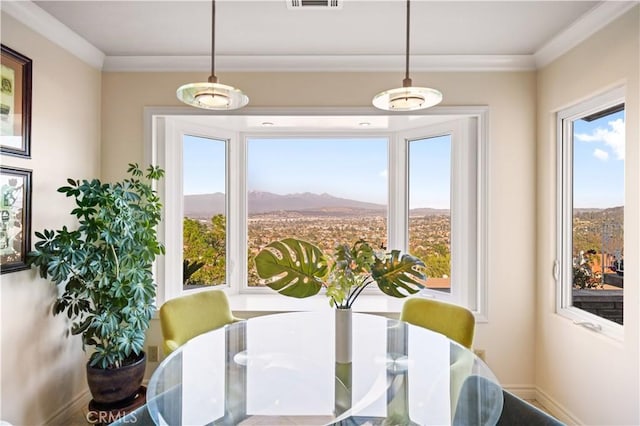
<point x="212" y="95"/>
<point x="407" y="97"/>
<point x="407" y="80"/>
<point x="213" y="78"/>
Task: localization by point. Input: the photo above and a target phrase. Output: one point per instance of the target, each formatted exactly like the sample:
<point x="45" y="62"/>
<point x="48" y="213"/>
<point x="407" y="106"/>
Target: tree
<point x="583" y="275"/>
<point x="206" y="243"/>
<point x="438" y="265"/>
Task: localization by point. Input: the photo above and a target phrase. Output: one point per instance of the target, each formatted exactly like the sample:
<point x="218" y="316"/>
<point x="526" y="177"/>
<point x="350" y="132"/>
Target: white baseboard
<point x="77" y="405"/>
<point x="556" y="409"/>
<point x="522" y="391"/>
<point x="542" y="398"/>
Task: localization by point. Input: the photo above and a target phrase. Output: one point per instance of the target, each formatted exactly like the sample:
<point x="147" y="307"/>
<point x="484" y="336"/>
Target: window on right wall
<point x="591" y="187"/>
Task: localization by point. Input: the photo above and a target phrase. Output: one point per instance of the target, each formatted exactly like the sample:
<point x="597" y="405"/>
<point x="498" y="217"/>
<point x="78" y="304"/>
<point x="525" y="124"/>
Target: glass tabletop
<point x="282" y="369"/>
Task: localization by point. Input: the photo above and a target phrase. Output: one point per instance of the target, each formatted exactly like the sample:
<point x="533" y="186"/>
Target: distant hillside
<point x="428" y="212"/>
<point x="589" y="225"/>
<point x="207" y="205"/>
<point x="300" y="204"/>
<point x="263" y="202"/>
<point x="203" y="205"/>
<point x="612" y="214"/>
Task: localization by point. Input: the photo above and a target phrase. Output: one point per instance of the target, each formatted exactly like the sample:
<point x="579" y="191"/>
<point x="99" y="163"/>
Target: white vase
<point x="343" y="336"/>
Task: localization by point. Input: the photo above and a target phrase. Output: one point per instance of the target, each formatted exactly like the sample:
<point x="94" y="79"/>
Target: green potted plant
<point x="103" y="271"/>
<point x="300" y="269"/>
<point x="297" y="268"/>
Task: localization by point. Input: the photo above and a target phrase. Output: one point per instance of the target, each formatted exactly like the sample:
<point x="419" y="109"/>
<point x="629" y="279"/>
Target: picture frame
<point x="15" y="103"/>
<point x="15" y="218"/>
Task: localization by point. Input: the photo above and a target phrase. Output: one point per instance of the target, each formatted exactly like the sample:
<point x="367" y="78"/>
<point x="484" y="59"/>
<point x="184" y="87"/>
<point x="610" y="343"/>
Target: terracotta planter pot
<point x="111" y="386"/>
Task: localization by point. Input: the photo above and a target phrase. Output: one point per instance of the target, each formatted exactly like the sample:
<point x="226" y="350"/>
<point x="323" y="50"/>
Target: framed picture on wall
<point x="15" y="218"/>
<point x="15" y="103"/>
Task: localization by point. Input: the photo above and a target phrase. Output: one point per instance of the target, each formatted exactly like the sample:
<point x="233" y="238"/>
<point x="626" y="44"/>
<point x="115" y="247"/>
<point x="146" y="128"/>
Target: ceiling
<point x="360" y="34"/>
<point x="139" y="28"/>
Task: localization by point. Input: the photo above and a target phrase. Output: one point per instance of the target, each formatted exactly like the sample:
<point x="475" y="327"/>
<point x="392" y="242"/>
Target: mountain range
<point x="306" y="203"/>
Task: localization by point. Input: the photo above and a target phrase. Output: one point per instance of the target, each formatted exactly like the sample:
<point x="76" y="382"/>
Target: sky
<point x="598" y="162"/>
<point x="348" y="168"/>
<point x="430" y="173"/>
<point x="204" y="165"/>
<point x="353" y="168"/>
<point x="356" y="168"/>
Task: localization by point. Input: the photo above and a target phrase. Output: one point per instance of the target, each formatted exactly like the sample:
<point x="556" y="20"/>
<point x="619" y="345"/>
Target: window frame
<point x="563" y="270"/>
<point x="169" y="155"/>
<point x="159" y="122"/>
<point x="466" y="219"/>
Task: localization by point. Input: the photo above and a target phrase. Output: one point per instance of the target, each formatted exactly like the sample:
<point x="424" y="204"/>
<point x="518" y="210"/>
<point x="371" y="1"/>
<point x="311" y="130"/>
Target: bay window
<point x="231" y="188"/>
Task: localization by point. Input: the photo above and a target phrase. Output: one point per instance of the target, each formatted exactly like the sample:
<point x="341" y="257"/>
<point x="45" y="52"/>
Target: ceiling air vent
<point x="314" y="4"/>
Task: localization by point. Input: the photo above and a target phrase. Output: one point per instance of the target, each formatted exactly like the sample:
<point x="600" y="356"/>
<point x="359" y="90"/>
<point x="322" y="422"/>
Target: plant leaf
<point x="80" y="328"/>
<point x="292" y="267"/>
<point x="399" y="276"/>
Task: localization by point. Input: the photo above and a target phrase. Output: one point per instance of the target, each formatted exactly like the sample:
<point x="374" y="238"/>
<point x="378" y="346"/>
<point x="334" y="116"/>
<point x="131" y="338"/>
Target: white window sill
<point x="246" y="305"/>
<point x="593" y="323"/>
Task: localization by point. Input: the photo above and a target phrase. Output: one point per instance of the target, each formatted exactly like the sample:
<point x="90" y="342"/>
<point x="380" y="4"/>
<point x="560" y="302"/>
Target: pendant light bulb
<point x="211" y="94"/>
<point x="407" y="97"/>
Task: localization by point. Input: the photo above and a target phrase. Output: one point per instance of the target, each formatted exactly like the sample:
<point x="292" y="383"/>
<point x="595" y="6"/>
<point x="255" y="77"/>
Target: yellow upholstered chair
<point x="188" y="316"/>
<point x="455" y="322"/>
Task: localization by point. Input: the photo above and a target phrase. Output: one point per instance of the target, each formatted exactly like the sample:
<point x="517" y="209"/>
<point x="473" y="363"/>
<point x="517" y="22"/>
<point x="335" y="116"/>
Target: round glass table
<point x="281" y="370"/>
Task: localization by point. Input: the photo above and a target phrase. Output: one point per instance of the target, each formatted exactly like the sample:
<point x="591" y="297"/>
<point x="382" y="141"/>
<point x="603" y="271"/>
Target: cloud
<point x="383" y="173"/>
<point x="600" y="154"/>
<point x="613" y="137"/>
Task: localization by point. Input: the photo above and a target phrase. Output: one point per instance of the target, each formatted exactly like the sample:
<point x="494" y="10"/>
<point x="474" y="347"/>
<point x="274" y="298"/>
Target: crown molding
<point x="49" y="27"/>
<point x="43" y="23"/>
<point x="587" y="25"/>
<point x="320" y="63"/>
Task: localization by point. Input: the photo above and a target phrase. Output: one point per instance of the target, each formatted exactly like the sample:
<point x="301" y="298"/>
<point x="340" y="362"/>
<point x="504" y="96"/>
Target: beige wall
<point x="42" y="370"/>
<point x="509" y="336"/>
<point x="593" y="378"/>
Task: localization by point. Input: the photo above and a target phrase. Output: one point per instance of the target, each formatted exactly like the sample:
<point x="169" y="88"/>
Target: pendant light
<point x="211" y="94"/>
<point x="407" y="97"/>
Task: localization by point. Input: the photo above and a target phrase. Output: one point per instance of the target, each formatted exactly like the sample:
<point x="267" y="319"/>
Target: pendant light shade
<point x="407" y="97"/>
<point x="211" y="94"/>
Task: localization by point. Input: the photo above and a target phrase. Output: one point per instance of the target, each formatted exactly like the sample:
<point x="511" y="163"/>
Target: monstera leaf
<point x="399" y="276"/>
<point x="292" y="267"/>
<point x="298" y="268"/>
